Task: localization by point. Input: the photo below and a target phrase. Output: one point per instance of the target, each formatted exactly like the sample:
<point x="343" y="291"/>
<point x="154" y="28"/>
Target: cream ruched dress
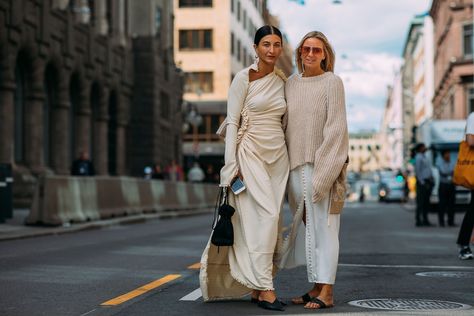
<point x="255" y="146"/>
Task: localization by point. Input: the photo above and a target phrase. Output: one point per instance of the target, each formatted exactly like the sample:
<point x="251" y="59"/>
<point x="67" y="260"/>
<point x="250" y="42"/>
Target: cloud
<point x="362" y="24"/>
<point x="368" y="75"/>
<point x="363" y="117"/>
<point x="369" y="34"/>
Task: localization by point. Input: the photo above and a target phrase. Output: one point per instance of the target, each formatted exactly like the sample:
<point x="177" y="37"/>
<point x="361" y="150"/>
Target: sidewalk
<point x="15" y="228"/>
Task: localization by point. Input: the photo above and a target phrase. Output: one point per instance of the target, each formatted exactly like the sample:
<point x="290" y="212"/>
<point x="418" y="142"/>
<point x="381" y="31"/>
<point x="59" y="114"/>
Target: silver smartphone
<point x="237" y="186"/>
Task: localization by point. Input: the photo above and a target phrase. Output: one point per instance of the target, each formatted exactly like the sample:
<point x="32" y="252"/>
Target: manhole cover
<point x="407" y="304"/>
<point x="448" y="274"/>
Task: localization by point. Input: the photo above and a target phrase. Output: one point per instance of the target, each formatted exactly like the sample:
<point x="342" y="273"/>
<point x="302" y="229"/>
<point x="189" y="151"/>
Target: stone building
<point x="453" y="60"/>
<point x="67" y="84"/>
<point x="156" y="117"/>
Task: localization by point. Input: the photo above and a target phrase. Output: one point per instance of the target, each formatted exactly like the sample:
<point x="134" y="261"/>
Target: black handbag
<point x="223" y="231"/>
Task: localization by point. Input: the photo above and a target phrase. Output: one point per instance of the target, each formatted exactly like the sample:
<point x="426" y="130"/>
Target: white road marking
<point x="194" y="295"/>
<point x="403" y="266"/>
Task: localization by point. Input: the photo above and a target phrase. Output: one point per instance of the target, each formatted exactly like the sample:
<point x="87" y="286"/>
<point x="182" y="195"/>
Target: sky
<point x="368" y="37"/>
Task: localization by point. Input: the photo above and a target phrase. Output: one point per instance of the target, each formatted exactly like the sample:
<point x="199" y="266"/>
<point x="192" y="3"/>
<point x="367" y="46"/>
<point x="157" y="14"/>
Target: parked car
<point x="392" y="189"/>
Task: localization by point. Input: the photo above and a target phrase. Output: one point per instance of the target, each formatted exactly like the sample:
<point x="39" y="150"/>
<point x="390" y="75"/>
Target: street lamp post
<point x="194" y="119"/>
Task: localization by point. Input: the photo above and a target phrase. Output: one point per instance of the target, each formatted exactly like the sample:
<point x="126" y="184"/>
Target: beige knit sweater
<point x="316" y="128"/>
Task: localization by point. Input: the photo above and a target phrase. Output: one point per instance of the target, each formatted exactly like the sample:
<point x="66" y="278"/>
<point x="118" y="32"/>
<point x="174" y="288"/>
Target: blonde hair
<point x="330" y="59"/>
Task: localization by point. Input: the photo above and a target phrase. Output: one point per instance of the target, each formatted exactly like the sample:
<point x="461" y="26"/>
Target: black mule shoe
<point x="275" y="306"/>
<point x="255" y="300"/>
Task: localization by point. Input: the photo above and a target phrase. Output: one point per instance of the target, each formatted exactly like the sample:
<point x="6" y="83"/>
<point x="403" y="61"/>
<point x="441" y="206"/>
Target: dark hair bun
<point x="264" y="31"/>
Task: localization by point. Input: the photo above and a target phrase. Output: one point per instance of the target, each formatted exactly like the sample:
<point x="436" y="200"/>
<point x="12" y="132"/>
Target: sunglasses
<point x="315" y="50"/>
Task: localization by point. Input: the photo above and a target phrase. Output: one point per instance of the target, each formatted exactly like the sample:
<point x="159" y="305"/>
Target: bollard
<point x="6" y="191"/>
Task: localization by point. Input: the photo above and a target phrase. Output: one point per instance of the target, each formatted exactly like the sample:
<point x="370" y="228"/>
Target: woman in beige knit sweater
<point x="317" y="140"/>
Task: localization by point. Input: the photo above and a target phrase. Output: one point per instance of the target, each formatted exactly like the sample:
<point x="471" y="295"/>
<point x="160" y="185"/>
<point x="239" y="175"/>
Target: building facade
<point x="423" y="71"/>
<point x="285" y="62"/>
<point x="214" y="41"/>
<point x="365" y="152"/>
<point x="453" y="61"/>
<point x="155" y="136"/>
<point x="408" y="84"/>
<point x="67" y="85"/>
<point x="391" y="130"/>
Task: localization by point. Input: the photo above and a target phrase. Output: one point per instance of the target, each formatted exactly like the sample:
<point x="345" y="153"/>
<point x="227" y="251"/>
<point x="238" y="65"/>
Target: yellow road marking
<point x="195" y="266"/>
<point x="141" y="290"/>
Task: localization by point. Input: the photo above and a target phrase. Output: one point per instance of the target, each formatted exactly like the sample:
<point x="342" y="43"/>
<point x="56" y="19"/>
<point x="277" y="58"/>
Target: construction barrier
<point x="59" y="200"/>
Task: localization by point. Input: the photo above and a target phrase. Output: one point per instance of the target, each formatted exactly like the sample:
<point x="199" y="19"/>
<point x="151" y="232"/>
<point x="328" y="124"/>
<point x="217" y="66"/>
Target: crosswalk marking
<point x="141" y="290"/>
<point x="194" y="295"/>
<point x="409" y="266"/>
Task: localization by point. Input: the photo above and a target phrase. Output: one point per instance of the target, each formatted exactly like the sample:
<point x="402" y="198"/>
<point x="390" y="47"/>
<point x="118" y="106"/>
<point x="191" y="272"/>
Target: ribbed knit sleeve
<point x="331" y="155"/>
<point x="236" y="98"/>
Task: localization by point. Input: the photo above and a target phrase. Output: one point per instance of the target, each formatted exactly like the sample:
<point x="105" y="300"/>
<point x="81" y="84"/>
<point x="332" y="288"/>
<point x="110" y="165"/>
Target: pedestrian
<point x="83" y="166"/>
<point x="446" y="188"/>
<point x="157" y="172"/>
<point x="318" y="142"/>
<point x="424" y="186"/>
<point x="255" y="151"/>
<point x="211" y="175"/>
<point x="465" y="232"/>
<point x="196" y="174"/>
<point x="174" y="172"/>
<point x="362" y="194"/>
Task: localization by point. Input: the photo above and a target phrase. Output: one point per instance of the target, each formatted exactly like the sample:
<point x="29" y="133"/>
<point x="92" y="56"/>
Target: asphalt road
<point x="147" y="268"/>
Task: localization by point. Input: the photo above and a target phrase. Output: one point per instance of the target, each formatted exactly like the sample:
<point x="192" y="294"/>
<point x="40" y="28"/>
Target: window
<point x="95" y="98"/>
<point x="470" y="100"/>
<point x="232" y="46"/>
<point x="245" y="19"/>
<point x="50" y="80"/>
<point x="112" y="144"/>
<point x="238" y="10"/>
<point x="19" y="123"/>
<point x="239" y="54"/>
<point x="245" y="57"/>
<point x="165" y="105"/>
<point x="232" y="6"/>
<point x="75" y="99"/>
<point x="451" y="105"/>
<point x="195" y="39"/>
<point x="198" y="82"/>
<point x="109" y="16"/>
<point x="195" y="3"/>
<point x="468" y="42"/>
<point x="215" y="122"/>
<point x="158" y="18"/>
<point x="92" y="11"/>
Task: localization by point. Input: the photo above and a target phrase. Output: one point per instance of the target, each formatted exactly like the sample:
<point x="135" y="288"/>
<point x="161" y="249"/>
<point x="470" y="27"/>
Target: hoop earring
<point x="302" y="67"/>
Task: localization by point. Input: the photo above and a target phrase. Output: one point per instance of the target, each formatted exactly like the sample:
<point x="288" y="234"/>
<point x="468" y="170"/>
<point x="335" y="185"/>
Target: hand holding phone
<point x="237" y="186"/>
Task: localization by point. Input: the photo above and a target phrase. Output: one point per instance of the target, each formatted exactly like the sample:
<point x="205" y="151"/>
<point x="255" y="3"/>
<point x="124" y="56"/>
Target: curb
<point x="38" y="231"/>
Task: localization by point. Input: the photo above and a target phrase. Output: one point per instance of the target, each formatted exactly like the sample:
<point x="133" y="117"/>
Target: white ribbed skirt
<point x="315" y="244"/>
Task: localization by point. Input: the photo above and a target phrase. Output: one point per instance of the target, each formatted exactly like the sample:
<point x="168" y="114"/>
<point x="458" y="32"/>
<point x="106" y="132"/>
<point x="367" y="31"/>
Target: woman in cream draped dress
<point x="255" y="151"/>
